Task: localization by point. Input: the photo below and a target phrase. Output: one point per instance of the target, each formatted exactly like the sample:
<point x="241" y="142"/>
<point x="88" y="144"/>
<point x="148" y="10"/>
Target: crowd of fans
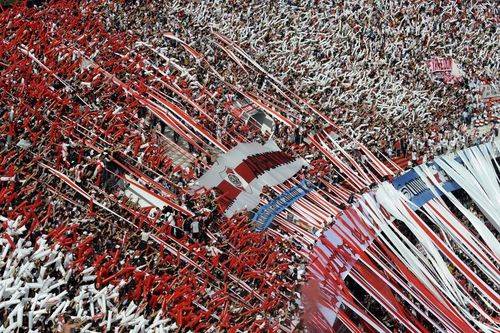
<point x="362" y="63"/>
<point x="83" y="93"/>
<point x="198" y="269"/>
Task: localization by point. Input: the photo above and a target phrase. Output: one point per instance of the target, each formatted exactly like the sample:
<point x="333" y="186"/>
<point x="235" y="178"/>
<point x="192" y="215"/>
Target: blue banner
<point x="415" y="189"/>
<point x="268" y="212"/>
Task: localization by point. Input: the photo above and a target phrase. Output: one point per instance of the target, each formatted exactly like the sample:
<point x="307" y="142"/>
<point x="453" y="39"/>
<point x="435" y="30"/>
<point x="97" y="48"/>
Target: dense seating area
<point x="110" y="112"/>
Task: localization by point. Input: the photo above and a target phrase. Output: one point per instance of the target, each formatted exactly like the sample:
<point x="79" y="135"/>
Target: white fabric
<point x="482" y="230"/>
<point x="477" y="178"/>
<point x="232" y="159"/>
<point x="249" y="199"/>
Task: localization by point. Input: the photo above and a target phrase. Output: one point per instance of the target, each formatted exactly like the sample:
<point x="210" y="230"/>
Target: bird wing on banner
<point x="231" y="160"/>
<point x="241" y="173"/>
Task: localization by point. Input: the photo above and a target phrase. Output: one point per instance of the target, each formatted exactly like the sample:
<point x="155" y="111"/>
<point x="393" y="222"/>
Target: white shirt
<point x="195" y="227"/>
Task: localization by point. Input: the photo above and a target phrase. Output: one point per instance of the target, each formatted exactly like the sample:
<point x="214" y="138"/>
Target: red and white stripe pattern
<point x="367" y="245"/>
<point x="241" y="174"/>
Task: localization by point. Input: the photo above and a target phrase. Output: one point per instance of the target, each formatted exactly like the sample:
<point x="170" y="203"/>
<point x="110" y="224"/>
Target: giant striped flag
<point x="241" y="173"/>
